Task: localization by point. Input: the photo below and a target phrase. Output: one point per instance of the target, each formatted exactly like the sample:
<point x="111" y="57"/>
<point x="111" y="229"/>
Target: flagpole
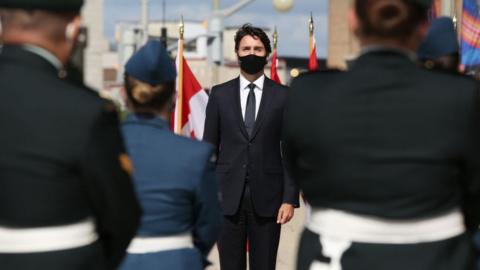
<point x="273" y="68"/>
<point x="311" y="28"/>
<point x="275" y="39"/>
<point x="454" y="15"/>
<point x="179" y="103"/>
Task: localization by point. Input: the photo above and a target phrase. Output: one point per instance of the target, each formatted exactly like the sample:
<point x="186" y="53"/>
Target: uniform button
<point x="244" y="166"/>
<point x="249" y="144"/>
<point x="62" y="74"/>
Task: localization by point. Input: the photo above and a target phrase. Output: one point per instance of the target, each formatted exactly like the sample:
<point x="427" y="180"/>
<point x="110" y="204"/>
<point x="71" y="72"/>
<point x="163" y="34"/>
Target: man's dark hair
<point x="249" y="30"/>
<point x="51" y="23"/>
<point x="388" y="18"/>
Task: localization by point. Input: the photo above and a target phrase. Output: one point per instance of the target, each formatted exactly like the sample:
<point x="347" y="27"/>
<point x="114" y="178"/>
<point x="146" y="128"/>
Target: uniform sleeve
<point x="288" y="151"/>
<point x="212" y="121"/>
<point x="291" y="191"/>
<point x="110" y="189"/>
<point x="207" y="210"/>
<point x="471" y="205"/>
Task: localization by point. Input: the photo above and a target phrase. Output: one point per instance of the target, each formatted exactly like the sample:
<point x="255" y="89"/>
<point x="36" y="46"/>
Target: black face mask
<point x="252" y="64"/>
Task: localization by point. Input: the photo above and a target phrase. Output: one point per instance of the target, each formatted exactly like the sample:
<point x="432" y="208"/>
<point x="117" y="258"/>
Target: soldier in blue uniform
<point x="174" y="176"/>
<point x="439" y="50"/>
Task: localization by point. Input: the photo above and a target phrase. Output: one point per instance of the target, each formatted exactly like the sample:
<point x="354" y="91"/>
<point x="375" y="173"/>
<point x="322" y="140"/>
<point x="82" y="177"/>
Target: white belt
<point x="160" y="243"/>
<point x="45" y="239"/>
<point x="338" y="229"/>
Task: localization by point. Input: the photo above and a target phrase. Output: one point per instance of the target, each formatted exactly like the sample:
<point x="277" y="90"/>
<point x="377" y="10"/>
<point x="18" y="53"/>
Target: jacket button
<point x="244" y="166"/>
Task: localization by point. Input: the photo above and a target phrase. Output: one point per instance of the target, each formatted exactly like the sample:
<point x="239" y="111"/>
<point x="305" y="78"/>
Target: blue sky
<point x="292" y="26"/>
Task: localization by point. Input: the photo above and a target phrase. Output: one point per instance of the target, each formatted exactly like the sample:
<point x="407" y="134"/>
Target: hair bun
<point x="387" y="16"/>
<point x="142" y="93"/>
<point x="144" y="97"/>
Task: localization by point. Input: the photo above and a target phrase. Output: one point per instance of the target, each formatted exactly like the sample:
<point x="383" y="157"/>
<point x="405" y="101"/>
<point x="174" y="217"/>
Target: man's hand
<point x="285" y="213"/>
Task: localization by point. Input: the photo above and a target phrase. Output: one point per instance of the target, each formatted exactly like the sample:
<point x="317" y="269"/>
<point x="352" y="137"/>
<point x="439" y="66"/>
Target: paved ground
<point x="287" y="250"/>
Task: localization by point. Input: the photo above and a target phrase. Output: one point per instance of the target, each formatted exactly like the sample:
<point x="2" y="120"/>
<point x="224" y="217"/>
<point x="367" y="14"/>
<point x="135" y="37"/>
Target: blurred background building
<point x="97" y="45"/>
<point x="103" y="62"/>
<point x="342" y="45"/>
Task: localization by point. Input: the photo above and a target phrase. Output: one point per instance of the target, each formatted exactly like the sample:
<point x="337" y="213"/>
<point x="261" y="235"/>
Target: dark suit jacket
<point x="386" y="139"/>
<point x="60" y="146"/>
<point x="261" y="154"/>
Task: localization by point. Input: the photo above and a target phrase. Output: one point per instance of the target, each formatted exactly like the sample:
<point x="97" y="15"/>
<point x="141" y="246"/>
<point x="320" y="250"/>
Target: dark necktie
<point x="250" y="110"/>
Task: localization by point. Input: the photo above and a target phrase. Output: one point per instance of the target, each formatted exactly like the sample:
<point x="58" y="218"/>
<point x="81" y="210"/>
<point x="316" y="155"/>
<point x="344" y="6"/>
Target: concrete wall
<point x="97" y="44"/>
<point x="342" y="45"/>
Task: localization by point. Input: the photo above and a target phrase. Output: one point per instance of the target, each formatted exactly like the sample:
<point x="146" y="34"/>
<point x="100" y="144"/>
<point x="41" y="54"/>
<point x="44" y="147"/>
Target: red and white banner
<point x="273" y="68"/>
<point x="313" y="62"/>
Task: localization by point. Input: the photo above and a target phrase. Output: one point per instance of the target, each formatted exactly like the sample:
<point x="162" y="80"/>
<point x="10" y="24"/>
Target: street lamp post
<point x="144" y="22"/>
<point x="216" y="27"/>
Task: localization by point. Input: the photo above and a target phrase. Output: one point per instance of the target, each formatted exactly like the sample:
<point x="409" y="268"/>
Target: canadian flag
<point x="191" y="102"/>
<point x="313" y="62"/>
<point x="273" y="68"/>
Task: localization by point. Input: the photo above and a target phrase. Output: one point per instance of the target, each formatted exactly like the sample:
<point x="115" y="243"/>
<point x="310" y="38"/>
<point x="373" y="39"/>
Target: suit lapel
<point x="238" y="107"/>
<point x="267" y="93"/>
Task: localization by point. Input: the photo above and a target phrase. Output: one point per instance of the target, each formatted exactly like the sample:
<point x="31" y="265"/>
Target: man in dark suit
<point x="66" y="200"/>
<point x="244" y="122"/>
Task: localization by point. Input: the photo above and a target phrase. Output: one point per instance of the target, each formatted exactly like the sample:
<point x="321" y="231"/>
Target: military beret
<point x="441" y="40"/>
<point x="151" y="64"/>
<point x="54" y="5"/>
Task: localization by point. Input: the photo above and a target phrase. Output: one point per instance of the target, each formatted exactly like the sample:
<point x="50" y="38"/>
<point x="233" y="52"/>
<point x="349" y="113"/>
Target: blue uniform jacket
<point x="175" y="182"/>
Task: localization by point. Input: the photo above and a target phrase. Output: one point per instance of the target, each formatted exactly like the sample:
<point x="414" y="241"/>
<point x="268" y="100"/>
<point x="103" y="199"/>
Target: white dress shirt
<point x="244" y="90"/>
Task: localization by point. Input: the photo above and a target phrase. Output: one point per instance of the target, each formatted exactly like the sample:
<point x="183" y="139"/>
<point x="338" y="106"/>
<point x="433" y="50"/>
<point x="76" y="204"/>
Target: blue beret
<point x="151" y="64"/>
<point x="441" y="40"/>
<point x="54" y="5"/>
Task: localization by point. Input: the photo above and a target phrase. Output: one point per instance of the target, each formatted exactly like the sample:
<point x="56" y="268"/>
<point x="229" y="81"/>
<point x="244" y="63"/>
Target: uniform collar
<point x="244" y="83"/>
<point x="50" y="57"/>
<point x="19" y="55"/>
<point x="382" y="48"/>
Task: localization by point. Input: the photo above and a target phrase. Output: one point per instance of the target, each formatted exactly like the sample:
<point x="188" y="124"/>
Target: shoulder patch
<point x="126" y="163"/>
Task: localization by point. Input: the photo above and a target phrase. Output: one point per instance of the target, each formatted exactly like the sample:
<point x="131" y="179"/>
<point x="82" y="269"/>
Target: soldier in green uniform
<point x="66" y="199"/>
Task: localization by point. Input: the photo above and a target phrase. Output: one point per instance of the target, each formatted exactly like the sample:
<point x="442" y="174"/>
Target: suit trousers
<point x="263" y="234"/>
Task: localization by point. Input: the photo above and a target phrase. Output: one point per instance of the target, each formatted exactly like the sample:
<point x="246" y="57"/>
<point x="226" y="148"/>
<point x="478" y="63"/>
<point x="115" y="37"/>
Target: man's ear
<point x="73" y="29"/>
<point x="353" y="23"/>
<point x="422" y="30"/>
<point x="420" y="33"/>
